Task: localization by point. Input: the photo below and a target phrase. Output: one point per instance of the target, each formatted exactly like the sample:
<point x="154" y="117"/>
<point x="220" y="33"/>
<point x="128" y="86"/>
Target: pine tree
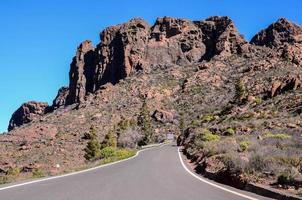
<point x="109" y="140"/>
<point x="146" y="123"/>
<point x="92" y="150"/>
<point x="182" y="124"/>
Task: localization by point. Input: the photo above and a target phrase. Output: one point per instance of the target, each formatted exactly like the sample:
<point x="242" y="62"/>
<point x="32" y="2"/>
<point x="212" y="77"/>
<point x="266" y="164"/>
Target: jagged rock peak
<point x="278" y="33"/>
<point x="135" y="46"/>
<point x="81" y="73"/>
<point x="221" y="37"/>
<point x="283" y="36"/>
<point x="26" y="113"/>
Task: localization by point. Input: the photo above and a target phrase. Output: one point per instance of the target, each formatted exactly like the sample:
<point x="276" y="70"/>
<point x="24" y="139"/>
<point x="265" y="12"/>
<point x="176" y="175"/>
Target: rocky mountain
<point x="235" y="105"/>
<point x="134" y="46"/>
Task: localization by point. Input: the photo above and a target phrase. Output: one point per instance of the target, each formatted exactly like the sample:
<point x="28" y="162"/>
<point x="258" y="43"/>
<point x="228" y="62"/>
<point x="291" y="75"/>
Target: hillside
<point x="234" y="105"/>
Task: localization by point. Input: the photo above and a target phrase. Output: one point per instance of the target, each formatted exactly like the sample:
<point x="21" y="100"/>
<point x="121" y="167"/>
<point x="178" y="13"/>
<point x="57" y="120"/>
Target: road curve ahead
<point x="155" y="174"/>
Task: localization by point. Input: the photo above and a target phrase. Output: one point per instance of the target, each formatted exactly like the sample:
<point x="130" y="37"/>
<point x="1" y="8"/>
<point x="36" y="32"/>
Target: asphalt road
<point x="155" y="174"/>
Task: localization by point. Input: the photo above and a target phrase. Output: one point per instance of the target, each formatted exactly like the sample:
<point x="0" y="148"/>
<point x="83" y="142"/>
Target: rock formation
<point x="284" y="37"/>
<point x="136" y="46"/>
<point x="133" y="46"/>
<point x="61" y="97"/>
<point x="81" y="73"/>
<point x="26" y="113"/>
<point x="221" y="37"/>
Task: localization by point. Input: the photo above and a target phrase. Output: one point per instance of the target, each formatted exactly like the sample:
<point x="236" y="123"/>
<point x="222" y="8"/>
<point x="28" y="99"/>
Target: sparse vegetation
<point x="145" y="123"/>
<point x="38" y="173"/>
<point x="240" y="90"/>
<point x="281" y="136"/>
<point x="110" y="140"/>
<point x="244" y="145"/>
<point x="107" y="152"/>
<point x="13" y="171"/>
<point x="229" y="132"/>
<point x="208" y="136"/>
<point x="92" y="150"/>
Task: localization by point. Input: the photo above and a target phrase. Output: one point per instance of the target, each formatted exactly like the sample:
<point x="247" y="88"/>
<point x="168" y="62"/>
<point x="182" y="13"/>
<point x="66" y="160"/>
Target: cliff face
<point x="127" y="48"/>
<point x="136" y="46"/>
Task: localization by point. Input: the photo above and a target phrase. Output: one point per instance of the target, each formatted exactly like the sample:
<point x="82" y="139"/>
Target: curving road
<point x="155" y="174"/>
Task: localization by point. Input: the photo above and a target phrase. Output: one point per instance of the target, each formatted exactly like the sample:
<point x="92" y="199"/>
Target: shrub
<point x="38" y="173"/>
<point x="208" y="136"/>
<point x="13" y="171"/>
<point x="91" y="134"/>
<point x="125" y="124"/>
<point x="229" y="132"/>
<point x="240" y="90"/>
<point x="233" y="163"/>
<point x="3" y="179"/>
<point x="92" y="150"/>
<point x="182" y="125"/>
<point x="257" y="163"/>
<point x="124" y="153"/>
<point x="280" y="136"/>
<point x="109" y="140"/>
<point x="208" y="118"/>
<point x="107" y="152"/>
<point x="258" y="100"/>
<point x="129" y="139"/>
<point x="285" y="178"/>
<point x="244" y="145"/>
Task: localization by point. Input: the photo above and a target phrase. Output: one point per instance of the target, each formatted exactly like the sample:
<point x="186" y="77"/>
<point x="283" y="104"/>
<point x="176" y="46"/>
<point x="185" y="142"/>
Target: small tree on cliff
<point x="145" y="122"/>
<point x="92" y="150"/>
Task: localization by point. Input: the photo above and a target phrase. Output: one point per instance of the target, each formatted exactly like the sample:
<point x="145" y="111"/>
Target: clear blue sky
<point x="38" y="38"/>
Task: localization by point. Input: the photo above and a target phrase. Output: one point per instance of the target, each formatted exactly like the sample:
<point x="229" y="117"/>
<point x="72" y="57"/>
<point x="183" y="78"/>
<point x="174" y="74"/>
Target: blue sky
<point x="38" y="38"/>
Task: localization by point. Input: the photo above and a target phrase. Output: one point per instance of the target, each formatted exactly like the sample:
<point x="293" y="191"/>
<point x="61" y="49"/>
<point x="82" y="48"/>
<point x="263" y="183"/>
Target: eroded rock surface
<point x="26" y="113"/>
<point x="283" y="36"/>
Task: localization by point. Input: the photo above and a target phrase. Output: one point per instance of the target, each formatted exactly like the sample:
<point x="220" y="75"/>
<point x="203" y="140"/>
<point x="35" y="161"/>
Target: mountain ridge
<point x="93" y="67"/>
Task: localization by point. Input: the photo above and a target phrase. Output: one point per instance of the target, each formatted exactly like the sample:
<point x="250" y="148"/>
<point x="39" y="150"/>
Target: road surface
<point x="155" y="174"/>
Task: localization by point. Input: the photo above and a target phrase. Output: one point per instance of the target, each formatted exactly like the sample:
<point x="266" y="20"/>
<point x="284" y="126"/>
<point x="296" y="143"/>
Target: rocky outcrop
<point x="61" y="98"/>
<point x="283" y="36"/>
<point x="290" y="83"/>
<point x="136" y="46"/>
<point x="221" y="37"/>
<point x="162" y="116"/>
<point x="26" y="113"/>
<point x="174" y="41"/>
<point x="133" y="46"/>
<point x="81" y="73"/>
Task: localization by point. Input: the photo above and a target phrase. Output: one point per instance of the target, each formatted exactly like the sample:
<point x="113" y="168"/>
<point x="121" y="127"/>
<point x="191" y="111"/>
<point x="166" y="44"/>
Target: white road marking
<point x="211" y="183"/>
<point x="74" y="173"/>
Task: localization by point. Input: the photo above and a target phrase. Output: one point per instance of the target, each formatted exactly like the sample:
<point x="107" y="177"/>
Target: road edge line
<point x="210" y="183"/>
<point x="77" y="172"/>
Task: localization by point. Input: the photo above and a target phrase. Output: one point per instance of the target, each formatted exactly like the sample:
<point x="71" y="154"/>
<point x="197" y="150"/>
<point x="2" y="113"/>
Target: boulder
<point x="26" y="113"/>
<point x="163" y="116"/>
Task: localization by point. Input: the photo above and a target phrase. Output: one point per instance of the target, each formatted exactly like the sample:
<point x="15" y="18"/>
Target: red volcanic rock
<point x="26" y="113"/>
<point x="291" y="83"/>
<point x="81" y="73"/>
<point x="221" y="37"/>
<point x="283" y="36"/>
<point x="61" y="97"/>
<point x="162" y="116"/>
<point x="133" y="46"/>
